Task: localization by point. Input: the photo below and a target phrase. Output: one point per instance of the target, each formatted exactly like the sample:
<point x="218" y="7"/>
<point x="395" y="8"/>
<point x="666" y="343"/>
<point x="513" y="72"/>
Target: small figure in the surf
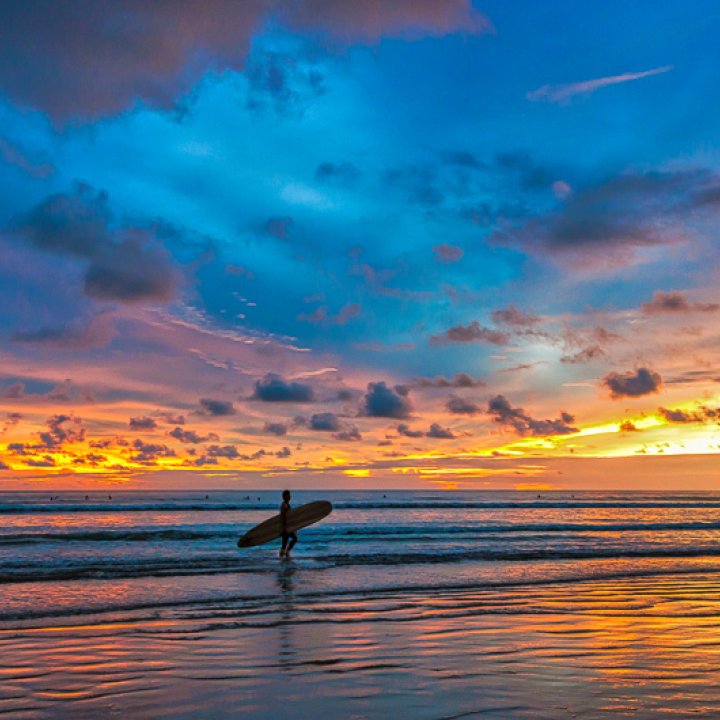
<point x="289" y="538"/>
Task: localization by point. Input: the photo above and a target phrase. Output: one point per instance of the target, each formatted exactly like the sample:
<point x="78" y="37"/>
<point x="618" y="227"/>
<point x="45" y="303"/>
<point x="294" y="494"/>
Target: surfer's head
<point x="286" y="495"/>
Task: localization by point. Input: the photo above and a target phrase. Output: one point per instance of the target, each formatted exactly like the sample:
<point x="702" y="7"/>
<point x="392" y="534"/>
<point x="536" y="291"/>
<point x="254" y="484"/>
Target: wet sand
<point x="631" y="647"/>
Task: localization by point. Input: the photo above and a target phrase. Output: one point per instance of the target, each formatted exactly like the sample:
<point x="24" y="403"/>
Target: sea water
<point x="127" y="552"/>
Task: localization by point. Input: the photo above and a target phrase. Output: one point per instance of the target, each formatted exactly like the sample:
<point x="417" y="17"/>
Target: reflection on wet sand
<point x="639" y="647"/>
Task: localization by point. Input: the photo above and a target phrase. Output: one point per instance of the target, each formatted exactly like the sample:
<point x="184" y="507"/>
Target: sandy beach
<point x="643" y="648"/>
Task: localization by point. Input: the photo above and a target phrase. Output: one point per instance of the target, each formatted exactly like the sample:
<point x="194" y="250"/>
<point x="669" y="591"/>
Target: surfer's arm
<point x="283" y="516"/>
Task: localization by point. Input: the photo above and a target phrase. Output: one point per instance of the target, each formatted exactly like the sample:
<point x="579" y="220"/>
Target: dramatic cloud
<point x="142" y="423"/>
<point x="374" y="19"/>
<point x="124" y="264"/>
<point x="585" y="355"/>
<point x="440" y="433"/>
<point x="325" y="422"/>
<point x="633" y="383"/>
<point x="274" y="388"/>
<point x="190" y="436"/>
<point x="514" y="318"/>
<point x="349" y="434"/>
<point x="62" y="429"/>
<point x="448" y="253"/>
<point x="459" y="380"/>
<point x="675" y="302"/>
<point x="515" y="417"/>
<point x="563" y="93"/>
<point x="436" y="431"/>
<point x="123" y="51"/>
<point x="405" y="430"/>
<point x="95" y="333"/>
<point x="224" y="451"/>
<point x="275" y="428"/>
<point x="217" y="407"/>
<point x="474" y="332"/>
<point x="614" y="217"/>
<point x="460" y="406"/>
<point x="382" y="401"/>
<point x="701" y="415"/>
<point x="148" y="453"/>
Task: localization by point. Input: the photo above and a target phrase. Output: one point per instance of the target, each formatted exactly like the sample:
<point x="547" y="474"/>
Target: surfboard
<point x="297" y="518"/>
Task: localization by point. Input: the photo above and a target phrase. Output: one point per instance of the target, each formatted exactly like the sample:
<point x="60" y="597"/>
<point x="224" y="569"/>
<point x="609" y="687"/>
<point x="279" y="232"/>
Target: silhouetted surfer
<point x="288" y="538"/>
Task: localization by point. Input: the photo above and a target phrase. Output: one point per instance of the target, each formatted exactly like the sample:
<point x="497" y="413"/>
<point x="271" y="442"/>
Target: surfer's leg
<point x="293" y="539"/>
<point x="283" y="549"/>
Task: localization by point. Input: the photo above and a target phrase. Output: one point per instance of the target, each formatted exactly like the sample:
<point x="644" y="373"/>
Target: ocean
<point x="142" y="574"/>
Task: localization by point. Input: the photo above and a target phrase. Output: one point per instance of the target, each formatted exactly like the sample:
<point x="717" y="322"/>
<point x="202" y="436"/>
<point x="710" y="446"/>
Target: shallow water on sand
<point x="643" y="648"/>
<point x="414" y="605"/>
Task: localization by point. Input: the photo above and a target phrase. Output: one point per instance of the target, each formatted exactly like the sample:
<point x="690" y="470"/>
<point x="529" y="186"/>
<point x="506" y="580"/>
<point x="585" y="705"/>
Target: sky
<point x="321" y="243"/>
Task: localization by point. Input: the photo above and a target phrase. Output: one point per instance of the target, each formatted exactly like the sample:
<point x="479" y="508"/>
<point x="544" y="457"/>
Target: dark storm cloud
<point x="142" y="423"/>
<point x="274" y="388"/>
<point x="515" y="417"/>
<point x="461" y="406"/>
<point x="474" y="332"/>
<point x="123" y="51"/>
<point x="675" y="302"/>
<point x="642" y="381"/>
<point x="191" y="436"/>
<point x="218" y="408"/>
<point x="124" y="264"/>
<point x="382" y="401"/>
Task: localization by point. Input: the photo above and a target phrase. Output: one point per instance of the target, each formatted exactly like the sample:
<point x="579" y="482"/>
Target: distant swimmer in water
<point x="288" y="538"/>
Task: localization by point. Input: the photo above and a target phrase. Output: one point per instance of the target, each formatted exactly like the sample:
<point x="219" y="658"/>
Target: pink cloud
<point x="563" y="93"/>
<point x="123" y="51"/>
